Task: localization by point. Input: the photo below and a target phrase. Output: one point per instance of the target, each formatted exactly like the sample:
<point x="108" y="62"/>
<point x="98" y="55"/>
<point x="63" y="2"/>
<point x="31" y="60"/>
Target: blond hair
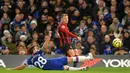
<point x="64" y="15"/>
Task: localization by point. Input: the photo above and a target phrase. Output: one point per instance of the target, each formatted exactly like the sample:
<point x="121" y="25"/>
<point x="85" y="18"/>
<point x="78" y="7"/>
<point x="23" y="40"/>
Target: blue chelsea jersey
<point x="38" y="60"/>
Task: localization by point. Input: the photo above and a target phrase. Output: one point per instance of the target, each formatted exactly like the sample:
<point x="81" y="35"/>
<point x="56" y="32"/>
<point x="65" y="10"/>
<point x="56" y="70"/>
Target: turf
<point x="92" y="70"/>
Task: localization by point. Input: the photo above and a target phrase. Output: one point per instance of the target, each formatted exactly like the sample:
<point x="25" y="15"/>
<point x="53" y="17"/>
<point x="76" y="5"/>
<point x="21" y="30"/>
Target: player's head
<point x="64" y="18"/>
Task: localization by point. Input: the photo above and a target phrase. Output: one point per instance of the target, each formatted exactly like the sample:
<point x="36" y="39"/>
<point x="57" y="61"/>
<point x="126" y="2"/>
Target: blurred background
<point x="25" y="23"/>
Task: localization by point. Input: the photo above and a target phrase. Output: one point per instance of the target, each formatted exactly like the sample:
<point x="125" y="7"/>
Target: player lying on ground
<point x="38" y="60"/>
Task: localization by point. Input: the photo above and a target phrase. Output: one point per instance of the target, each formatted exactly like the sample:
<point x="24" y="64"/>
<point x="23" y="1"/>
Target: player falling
<point x="40" y="61"/>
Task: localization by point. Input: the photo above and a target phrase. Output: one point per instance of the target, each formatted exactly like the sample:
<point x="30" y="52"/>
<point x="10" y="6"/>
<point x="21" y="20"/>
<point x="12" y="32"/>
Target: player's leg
<point x="75" y="68"/>
<point x="80" y="58"/>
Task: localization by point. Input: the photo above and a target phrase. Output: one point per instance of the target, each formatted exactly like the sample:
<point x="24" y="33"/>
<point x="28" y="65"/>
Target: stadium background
<point x="24" y="23"/>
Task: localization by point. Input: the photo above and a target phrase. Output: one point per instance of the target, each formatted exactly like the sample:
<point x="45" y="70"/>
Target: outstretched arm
<point x="18" y="67"/>
<point x="45" y="45"/>
<point x="63" y="29"/>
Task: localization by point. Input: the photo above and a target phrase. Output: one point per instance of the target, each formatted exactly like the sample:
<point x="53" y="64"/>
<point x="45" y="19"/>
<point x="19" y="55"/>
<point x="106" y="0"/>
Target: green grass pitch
<point x="91" y="70"/>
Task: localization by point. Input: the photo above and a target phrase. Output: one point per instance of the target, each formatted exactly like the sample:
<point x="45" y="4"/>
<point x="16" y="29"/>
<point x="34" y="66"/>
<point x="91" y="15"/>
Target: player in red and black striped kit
<point x="65" y="34"/>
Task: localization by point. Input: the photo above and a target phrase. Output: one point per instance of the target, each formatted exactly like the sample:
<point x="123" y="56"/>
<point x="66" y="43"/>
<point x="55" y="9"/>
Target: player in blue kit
<point x="60" y="63"/>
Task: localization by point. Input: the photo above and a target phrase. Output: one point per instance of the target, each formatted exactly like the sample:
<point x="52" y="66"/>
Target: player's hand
<point x="79" y="38"/>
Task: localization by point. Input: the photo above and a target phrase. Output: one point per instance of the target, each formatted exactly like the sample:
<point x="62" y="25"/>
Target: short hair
<point x="64" y="15"/>
<point x="93" y="47"/>
<point x="35" y="32"/>
<point x="127" y="6"/>
<point x="17" y="15"/>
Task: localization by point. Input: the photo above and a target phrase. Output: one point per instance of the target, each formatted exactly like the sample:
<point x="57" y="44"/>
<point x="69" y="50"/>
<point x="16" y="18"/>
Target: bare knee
<point x="66" y="67"/>
<point x="70" y="59"/>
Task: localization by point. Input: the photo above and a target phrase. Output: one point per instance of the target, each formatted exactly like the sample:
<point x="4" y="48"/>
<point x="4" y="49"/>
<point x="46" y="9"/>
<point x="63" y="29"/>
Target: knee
<point x="66" y="67"/>
<point x="69" y="59"/>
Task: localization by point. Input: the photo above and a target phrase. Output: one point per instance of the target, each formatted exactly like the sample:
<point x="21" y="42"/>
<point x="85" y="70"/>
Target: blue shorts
<point x="57" y="63"/>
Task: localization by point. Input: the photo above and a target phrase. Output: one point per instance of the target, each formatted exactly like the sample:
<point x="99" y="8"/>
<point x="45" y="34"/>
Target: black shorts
<point x="65" y="48"/>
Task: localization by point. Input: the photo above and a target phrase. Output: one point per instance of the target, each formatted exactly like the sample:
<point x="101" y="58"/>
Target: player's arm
<point x="63" y="29"/>
<point x="45" y="45"/>
<point x="18" y="67"/>
<point x="26" y="62"/>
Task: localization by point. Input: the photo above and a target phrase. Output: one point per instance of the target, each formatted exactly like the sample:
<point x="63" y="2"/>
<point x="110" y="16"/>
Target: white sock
<point x="74" y="68"/>
<point x="81" y="58"/>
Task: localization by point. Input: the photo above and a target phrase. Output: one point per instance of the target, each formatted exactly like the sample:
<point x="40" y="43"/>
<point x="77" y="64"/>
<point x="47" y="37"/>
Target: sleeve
<point x="27" y="61"/>
<point x="63" y="29"/>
